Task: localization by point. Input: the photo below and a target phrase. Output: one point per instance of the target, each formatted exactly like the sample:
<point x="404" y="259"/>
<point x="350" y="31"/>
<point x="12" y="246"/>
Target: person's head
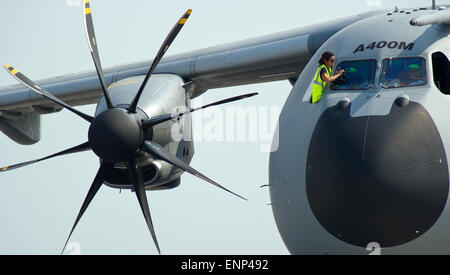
<point x="327" y="59"/>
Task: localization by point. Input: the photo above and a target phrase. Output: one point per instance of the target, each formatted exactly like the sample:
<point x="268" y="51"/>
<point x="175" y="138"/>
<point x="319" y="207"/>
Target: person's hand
<point x="341" y="72"/>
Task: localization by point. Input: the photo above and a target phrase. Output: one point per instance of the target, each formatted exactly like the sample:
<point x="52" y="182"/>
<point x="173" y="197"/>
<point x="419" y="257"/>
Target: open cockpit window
<point x="403" y="72"/>
<point x="441" y="72"/>
<point x="359" y="75"/>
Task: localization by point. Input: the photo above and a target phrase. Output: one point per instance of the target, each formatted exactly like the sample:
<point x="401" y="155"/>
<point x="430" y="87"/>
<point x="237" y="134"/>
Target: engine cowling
<point x="156" y="174"/>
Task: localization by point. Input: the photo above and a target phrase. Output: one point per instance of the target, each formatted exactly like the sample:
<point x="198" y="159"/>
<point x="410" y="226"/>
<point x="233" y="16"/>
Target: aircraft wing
<point x="280" y="56"/>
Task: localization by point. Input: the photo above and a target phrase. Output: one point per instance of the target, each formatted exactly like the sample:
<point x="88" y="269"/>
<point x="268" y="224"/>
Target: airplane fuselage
<point x="368" y="162"/>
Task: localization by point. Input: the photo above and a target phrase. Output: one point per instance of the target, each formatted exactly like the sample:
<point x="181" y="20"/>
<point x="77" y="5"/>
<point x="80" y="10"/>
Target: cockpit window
<point x="359" y="75"/>
<point x="403" y="72"/>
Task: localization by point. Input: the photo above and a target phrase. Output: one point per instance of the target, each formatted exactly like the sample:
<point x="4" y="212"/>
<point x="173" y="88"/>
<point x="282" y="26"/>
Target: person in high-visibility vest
<point x="323" y="75"/>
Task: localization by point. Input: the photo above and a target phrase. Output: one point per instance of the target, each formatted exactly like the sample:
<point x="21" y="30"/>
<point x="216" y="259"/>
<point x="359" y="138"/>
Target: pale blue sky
<point x="39" y="203"/>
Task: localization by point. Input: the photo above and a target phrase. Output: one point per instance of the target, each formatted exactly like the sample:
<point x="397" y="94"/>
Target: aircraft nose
<point x="377" y="179"/>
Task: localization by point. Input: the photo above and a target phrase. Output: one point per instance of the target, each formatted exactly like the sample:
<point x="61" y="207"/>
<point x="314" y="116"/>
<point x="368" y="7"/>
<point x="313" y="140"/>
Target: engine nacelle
<point x="156" y="174"/>
<point x="163" y="94"/>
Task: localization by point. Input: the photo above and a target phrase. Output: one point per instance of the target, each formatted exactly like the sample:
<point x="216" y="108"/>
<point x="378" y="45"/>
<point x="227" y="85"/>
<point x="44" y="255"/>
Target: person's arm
<point x="329" y="79"/>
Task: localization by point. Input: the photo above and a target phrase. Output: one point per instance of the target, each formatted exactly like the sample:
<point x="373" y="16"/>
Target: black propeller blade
<point x="139" y="188"/>
<point x="34" y="87"/>
<point x="90" y="34"/>
<point x="169" y="39"/>
<point x="104" y="169"/>
<point x="79" y="148"/>
<point x="162" y="118"/>
<point x="159" y="151"/>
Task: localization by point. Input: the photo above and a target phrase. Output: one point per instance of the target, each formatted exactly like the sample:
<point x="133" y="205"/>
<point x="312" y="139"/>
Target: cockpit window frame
<point x="372" y="78"/>
<point x="405" y="86"/>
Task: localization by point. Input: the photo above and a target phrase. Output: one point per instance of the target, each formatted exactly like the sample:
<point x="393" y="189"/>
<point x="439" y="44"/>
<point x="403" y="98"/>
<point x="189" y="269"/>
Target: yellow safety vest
<point x="319" y="85"/>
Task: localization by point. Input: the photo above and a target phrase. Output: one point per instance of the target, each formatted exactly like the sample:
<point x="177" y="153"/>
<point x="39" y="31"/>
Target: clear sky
<point x="39" y="203"/>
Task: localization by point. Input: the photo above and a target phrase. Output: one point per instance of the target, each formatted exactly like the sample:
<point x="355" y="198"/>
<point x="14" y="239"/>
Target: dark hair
<point x="325" y="57"/>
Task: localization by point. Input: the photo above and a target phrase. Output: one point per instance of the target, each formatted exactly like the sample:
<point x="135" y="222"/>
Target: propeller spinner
<point x="116" y="135"/>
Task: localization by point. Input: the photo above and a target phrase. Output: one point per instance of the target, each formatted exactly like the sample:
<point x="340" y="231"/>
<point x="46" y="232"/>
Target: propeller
<point x="169" y="39"/>
<point x="162" y="118"/>
<point x="104" y="169"/>
<point x="138" y="184"/>
<point x="159" y="151"/>
<point x="79" y="148"/>
<point x="34" y="87"/>
<point x="117" y="134"/>
<point x="92" y="42"/>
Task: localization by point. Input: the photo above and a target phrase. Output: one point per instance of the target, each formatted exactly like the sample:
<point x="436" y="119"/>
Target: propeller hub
<point x="116" y="135"/>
